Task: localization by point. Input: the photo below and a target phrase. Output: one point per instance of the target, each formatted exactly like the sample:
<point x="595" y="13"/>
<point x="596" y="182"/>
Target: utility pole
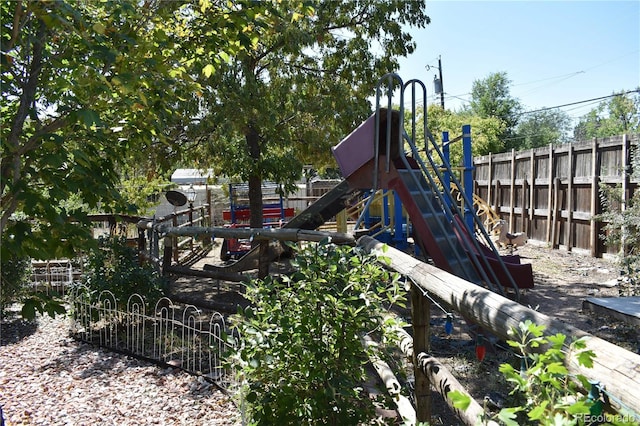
<point x="437" y="81"/>
<point x="441" y="83"/>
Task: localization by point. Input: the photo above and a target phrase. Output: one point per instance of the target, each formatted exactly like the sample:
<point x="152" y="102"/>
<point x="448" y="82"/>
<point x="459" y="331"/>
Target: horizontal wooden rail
<point x="283" y="234"/>
<point x="616" y="368"/>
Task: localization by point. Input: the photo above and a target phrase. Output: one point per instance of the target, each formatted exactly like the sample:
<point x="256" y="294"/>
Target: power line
<point x="581" y="102"/>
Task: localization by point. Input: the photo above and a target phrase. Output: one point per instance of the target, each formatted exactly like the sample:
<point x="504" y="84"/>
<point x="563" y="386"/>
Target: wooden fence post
<point x="174" y="222"/>
<point x="512" y="189"/>
<point x="569" y="235"/>
<point x="420" y="314"/>
<point x="167" y="255"/>
<point x="532" y="190"/>
<point x="555" y="221"/>
<point x="626" y="169"/>
<point x="550" y="218"/>
<point x="593" y="232"/>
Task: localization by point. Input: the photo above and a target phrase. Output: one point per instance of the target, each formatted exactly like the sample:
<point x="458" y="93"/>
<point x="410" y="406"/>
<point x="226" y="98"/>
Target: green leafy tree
<point x="301" y="354"/>
<point x="618" y="115"/>
<point x="88" y="87"/>
<point x="542" y="128"/>
<point x="302" y="88"/>
<point x="485" y="132"/>
<point x="491" y="97"/>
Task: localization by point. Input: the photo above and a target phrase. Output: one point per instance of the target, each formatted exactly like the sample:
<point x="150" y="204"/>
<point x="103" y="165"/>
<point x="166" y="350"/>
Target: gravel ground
<point x="48" y="378"/>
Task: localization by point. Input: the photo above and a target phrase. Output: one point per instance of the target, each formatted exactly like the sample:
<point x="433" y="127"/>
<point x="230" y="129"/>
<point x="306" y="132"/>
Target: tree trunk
<point x="255" y="179"/>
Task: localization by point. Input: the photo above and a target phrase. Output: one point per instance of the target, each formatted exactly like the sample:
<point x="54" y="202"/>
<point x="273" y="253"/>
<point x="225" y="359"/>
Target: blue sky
<point x="554" y="52"/>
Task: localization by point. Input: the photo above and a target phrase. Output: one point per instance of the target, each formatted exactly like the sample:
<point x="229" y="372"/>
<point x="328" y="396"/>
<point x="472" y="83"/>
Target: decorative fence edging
<point x="178" y="336"/>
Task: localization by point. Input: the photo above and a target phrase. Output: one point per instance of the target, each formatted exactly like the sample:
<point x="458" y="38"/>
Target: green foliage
<point x="485" y="132"/>
<point x="115" y="267"/>
<point x="622" y="229"/>
<point x="301" y="89"/>
<point x="542" y="387"/>
<point x="88" y="87"/>
<point x="615" y="116"/>
<point x="301" y="352"/>
<point x="491" y="97"/>
<point x="40" y="302"/>
<point x="15" y="274"/>
<point x="542" y="128"/>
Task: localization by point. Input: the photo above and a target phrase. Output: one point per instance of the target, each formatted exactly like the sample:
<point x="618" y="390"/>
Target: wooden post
<point x="142" y="245"/>
<point x="512" y="188"/>
<point x="593" y="229"/>
<point x="554" y="221"/>
<point x="209" y="207"/>
<point x="420" y="315"/>
<point x="263" y="260"/>
<point x="167" y="255"/>
<point x="626" y="196"/>
<point x="490" y="180"/>
<point x="550" y="201"/>
<point x="174" y="222"/>
<point x="341" y="221"/>
<point x="569" y="241"/>
<point x="496" y="203"/>
<point x="532" y="190"/>
<point x="525" y="211"/>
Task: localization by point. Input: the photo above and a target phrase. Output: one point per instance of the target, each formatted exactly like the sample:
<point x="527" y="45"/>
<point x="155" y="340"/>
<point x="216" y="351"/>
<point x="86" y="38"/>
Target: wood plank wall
<point x="552" y="193"/>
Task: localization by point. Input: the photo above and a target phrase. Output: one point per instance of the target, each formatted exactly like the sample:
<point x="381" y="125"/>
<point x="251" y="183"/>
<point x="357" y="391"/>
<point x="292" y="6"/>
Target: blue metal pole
<point x="467" y="179"/>
<point x="445" y="152"/>
<point x="400" y="231"/>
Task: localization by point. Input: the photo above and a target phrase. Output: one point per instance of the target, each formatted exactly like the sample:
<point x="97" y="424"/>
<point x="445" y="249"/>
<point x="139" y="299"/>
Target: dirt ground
<point x="563" y="280"/>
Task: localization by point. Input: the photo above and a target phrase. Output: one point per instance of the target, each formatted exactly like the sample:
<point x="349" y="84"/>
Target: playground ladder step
<point x="414" y="179"/>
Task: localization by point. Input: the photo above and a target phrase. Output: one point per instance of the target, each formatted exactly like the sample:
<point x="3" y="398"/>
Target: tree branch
<point x="12" y="168"/>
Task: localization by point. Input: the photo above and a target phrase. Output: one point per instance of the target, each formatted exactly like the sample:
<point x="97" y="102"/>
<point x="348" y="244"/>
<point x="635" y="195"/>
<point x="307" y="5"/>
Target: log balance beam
<point x="616" y="368"/>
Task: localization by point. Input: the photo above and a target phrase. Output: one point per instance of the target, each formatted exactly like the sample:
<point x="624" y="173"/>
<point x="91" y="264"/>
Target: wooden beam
<point x="550" y="224"/>
<point x="614" y="367"/>
<point x="404" y="407"/>
<point x="595" y="199"/>
<point x="420" y="317"/>
<point x="282" y="234"/>
<point x="442" y="379"/>
<point x="219" y="274"/>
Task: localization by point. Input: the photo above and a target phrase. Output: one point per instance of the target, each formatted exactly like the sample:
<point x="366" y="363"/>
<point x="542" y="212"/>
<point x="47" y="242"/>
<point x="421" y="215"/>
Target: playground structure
<point x="446" y="224"/>
<point x="428" y="201"/>
<point x="448" y="230"/>
<point x="274" y="214"/>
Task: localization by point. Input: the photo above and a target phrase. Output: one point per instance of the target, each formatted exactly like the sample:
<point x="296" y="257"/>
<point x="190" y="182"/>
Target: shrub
<point x="114" y="266"/>
<point x="15" y="280"/>
<point x="301" y="353"/>
<point x="544" y="393"/>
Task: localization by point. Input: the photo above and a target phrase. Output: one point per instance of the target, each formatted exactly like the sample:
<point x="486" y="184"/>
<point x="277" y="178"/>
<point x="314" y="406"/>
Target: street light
<point x="191" y="195"/>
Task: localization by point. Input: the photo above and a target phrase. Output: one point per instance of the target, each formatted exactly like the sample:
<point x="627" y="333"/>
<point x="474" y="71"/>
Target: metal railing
<point x="55" y="275"/>
<point x="181" y="336"/>
<point x="151" y="239"/>
<point x="431" y="167"/>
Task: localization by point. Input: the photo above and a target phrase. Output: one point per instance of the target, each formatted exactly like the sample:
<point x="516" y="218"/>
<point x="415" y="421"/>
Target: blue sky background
<point x="554" y="52"/>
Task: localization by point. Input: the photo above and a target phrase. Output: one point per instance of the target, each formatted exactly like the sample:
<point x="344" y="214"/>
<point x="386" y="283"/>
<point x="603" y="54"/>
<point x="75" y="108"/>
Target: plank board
<point x="626" y="309"/>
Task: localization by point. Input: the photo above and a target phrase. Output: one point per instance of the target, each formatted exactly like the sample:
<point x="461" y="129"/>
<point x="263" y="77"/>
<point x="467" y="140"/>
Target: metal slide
<point x="381" y="154"/>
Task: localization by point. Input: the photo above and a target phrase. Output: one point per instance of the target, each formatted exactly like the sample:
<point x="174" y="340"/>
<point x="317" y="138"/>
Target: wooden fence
<point x="553" y="193"/>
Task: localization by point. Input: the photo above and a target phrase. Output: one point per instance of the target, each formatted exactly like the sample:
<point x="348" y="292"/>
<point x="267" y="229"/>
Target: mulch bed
<point x="48" y="378"/>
